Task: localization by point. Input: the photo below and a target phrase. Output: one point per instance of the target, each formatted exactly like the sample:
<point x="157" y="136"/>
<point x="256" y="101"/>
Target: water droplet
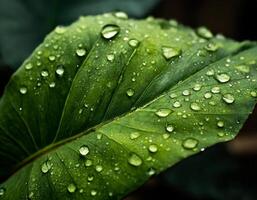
<point x="253" y="94"/>
<point x="51" y="58"/>
<point x="210" y="72"/>
<point x="60" y="71"/>
<point x="28" y="66"/>
<point x="81" y="52"/>
<point x="130" y="92"/>
<point x="60" y="29"/>
<point x="134" y="135"/>
<point x="88" y="163"/>
<point x="23" y="90"/>
<point x="110" y="57"/>
<point x="204" y="32"/>
<point x="215" y="90"/>
<point x="133" y="43"/>
<point x="99" y="168"/>
<point x="197" y="87"/>
<point x="220" y="124"/>
<point x="71" y="188"/>
<point x="121" y="15"/>
<point x="163" y="112"/>
<point x="83" y="150"/>
<point x="151" y="172"/>
<point x="169" y="128"/>
<point x="207" y="95"/>
<point x="173" y="95"/>
<point x="186" y="92"/>
<point x="222" y="78"/>
<point x="221" y="134"/>
<point x="135" y="160"/>
<point x="166" y="136"/>
<point x="194" y="106"/>
<point x="190" y="143"/>
<point x="93" y="192"/>
<point x="109" y="31"/>
<point x="243" y="68"/>
<point x="90" y="178"/>
<point x="212" y="47"/>
<point x="176" y="104"/>
<point x="170" y="52"/>
<point x="228" y="98"/>
<point x="52" y="84"/>
<point x="44" y="73"/>
<point x="153" y="148"/>
<point x="2" y="191"/>
<point x="45" y="167"/>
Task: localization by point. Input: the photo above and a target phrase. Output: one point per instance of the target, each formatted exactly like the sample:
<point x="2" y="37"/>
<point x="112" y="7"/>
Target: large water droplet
<point x="133" y="43"/>
<point x="215" y="90"/>
<point x="163" y="112"/>
<point x="23" y="90"/>
<point x="186" y="92"/>
<point x="153" y="148"/>
<point x="228" y="98"/>
<point x="169" y="128"/>
<point x="220" y="124"/>
<point x="190" y="143"/>
<point x="134" y="135"/>
<point x="109" y="31"/>
<point x="135" y="160"/>
<point x="71" y="188"/>
<point x="81" y="52"/>
<point x="83" y="150"/>
<point x="170" y="52"/>
<point x="93" y="192"/>
<point x="130" y="92"/>
<point x="28" y="66"/>
<point x="44" y="73"/>
<point x="204" y="32"/>
<point x="176" y="104"/>
<point x="194" y="106"/>
<point x="45" y="167"/>
<point x="60" y="71"/>
<point x="253" y="94"/>
<point x="222" y="78"/>
<point x="207" y="95"/>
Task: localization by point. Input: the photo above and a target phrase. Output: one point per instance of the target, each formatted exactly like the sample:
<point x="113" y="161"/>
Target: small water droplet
<point x="228" y="98"/>
<point x="88" y="163"/>
<point x="52" y="84"/>
<point x="194" y="106"/>
<point x="93" y="192"/>
<point x="153" y="148"/>
<point x="221" y="134"/>
<point x="28" y="66"/>
<point x="253" y="94"/>
<point x="135" y="160"/>
<point x="173" y="95"/>
<point x="166" y="136"/>
<point x="133" y="43"/>
<point x="170" y="52"/>
<point x="204" y="32"/>
<point x="121" y="15"/>
<point x="45" y="167"/>
<point x="81" y="52"/>
<point x="186" y="92"/>
<point x="134" y="135"/>
<point x="212" y="47"/>
<point x="44" y="73"/>
<point x="222" y="78"/>
<point x="71" y="188"/>
<point x="215" y="90"/>
<point x="83" y="150"/>
<point x="99" y="168"/>
<point x="163" y="112"/>
<point x="220" y="124"/>
<point x="23" y="90"/>
<point x="197" y="87"/>
<point x="110" y="57"/>
<point x="2" y="191"/>
<point x="169" y="128"/>
<point x="210" y="72"/>
<point x="90" y="178"/>
<point x="151" y="172"/>
<point x="109" y="31"/>
<point x="176" y="104"/>
<point x="130" y="92"/>
<point x="51" y="58"/>
<point x="190" y="143"/>
<point x="207" y="95"/>
<point x="60" y="71"/>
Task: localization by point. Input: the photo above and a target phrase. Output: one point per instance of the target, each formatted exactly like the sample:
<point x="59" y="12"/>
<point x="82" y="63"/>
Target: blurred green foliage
<point x="24" y="23"/>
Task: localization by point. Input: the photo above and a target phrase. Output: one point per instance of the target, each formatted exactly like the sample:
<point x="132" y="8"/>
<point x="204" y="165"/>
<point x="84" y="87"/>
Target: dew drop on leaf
<point x="151" y="172"/>
<point x="81" y="52"/>
<point x="45" y="167"/>
<point x="169" y="128"/>
<point x="190" y="143"/>
<point x="121" y="15"/>
<point x="71" y="188"/>
<point x="186" y="92"/>
<point x="93" y="192"/>
<point x="194" y="106"/>
<point x="222" y="78"/>
<point x="99" y="168"/>
<point x="197" y="87"/>
<point x="207" y="95"/>
<point x="170" y="52"/>
<point x="166" y="136"/>
<point x="221" y="134"/>
<point x="228" y="98"/>
<point x="23" y="90"/>
<point x="163" y="112"/>
<point x="253" y="94"/>
<point x="52" y="84"/>
<point x="133" y="43"/>
<point x="176" y="104"/>
<point x="134" y="135"/>
<point x="173" y="95"/>
<point x="153" y="148"/>
<point x="60" y="29"/>
<point x="83" y="150"/>
<point x="88" y="163"/>
<point x="44" y="73"/>
<point x="135" y="160"/>
<point x="243" y="68"/>
<point x="212" y="47"/>
<point x="60" y="71"/>
<point x="215" y="90"/>
<point x="220" y="124"/>
<point x="130" y="92"/>
<point x="28" y="66"/>
<point x="210" y="72"/>
<point x="110" y="57"/>
<point x="109" y="31"/>
<point x="51" y="58"/>
<point x="204" y="32"/>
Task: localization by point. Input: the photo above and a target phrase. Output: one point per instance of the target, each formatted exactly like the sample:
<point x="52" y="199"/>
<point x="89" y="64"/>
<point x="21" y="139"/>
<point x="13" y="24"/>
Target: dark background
<point x="223" y="172"/>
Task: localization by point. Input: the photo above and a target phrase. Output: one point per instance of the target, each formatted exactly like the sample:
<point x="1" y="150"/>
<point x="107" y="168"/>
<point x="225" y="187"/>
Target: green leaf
<point x="106" y="103"/>
<point x="24" y="24"/>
